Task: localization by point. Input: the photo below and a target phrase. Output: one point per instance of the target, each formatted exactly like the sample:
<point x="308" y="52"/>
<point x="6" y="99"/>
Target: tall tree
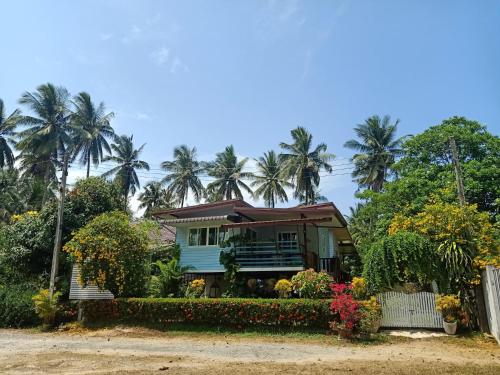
<point x="183" y="175"/>
<point x="95" y="123"/>
<point x="127" y="158"/>
<point x="269" y="181"/>
<point x="377" y="149"/>
<point x="7" y="126"/>
<point x="155" y="197"/>
<point x="48" y="131"/>
<point x="303" y="164"/>
<point x="228" y="173"/>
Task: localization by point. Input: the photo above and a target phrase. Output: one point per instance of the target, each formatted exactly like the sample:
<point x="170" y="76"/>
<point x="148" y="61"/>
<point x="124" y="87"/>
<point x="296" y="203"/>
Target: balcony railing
<point x="269" y="254"/>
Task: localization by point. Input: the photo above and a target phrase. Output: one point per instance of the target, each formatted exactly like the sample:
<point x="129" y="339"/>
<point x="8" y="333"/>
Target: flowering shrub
<point x="449" y="306"/>
<point x="228" y="312"/>
<point x="195" y="288"/>
<point x="371" y="313"/>
<point x="359" y="287"/>
<point x="345" y="307"/>
<point x="111" y="254"/>
<point x="283" y="287"/>
<point x="312" y="284"/>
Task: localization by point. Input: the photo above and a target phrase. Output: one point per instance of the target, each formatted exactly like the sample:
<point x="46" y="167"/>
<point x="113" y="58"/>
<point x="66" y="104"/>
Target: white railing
<point x="491" y="288"/>
<point x="417" y="310"/>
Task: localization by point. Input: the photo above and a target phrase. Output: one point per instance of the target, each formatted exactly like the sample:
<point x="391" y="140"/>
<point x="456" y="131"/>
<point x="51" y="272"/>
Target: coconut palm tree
<point x="377" y="150"/>
<point x="183" y="175"/>
<point x="95" y="123"/>
<point x="7" y="126"/>
<point x="228" y="173"/>
<point x="155" y="197"/>
<point x="127" y="158"/>
<point x="303" y="164"/>
<point x="269" y="181"/>
<point x="313" y="198"/>
<point x="48" y="131"/>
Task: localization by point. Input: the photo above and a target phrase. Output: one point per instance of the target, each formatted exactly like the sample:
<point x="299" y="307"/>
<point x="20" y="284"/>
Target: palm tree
<point x="228" y="173"/>
<point x="378" y="148"/>
<point x="303" y="165"/>
<point x="49" y="132"/>
<point x="184" y="174"/>
<point x="155" y="197"/>
<point x="7" y="126"/>
<point x="127" y="158"/>
<point x="270" y="182"/>
<point x="96" y="128"/>
<point x="313" y="198"/>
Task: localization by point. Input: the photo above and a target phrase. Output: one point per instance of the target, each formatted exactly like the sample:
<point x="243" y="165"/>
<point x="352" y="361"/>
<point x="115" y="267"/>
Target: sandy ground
<point x="119" y="352"/>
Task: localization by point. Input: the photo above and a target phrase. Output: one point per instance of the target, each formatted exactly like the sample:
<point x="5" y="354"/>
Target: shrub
<point x="449" y="306"/>
<point x="46" y="306"/>
<point x="312" y="284"/>
<point x="230" y="312"/>
<point x="358" y="287"/>
<point x="111" y="254"/>
<point x="284" y="288"/>
<point x="16" y="307"/>
<point x="345" y="307"/>
<point x="371" y="313"/>
<point x="167" y="281"/>
<point x="401" y="257"/>
<point x="195" y="288"/>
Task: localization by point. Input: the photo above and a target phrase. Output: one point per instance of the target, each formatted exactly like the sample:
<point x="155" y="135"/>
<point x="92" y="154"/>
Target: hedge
<point x="226" y="312"/>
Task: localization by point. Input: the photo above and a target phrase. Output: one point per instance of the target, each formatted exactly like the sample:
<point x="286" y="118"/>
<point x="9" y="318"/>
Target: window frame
<point x="207" y="238"/>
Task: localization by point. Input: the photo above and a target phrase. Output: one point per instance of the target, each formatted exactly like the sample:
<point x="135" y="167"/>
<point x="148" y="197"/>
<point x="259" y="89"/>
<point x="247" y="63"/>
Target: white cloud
<point x="160" y="56"/>
<point x="105" y="36"/>
<point x="178" y="66"/>
<point x="142" y="116"/>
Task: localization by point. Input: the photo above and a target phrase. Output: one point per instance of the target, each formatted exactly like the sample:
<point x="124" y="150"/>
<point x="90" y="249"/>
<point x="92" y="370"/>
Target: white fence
<point x="417" y="310"/>
<point x="491" y="288"/>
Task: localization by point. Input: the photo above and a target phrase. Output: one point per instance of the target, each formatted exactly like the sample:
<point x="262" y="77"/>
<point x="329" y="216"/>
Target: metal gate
<point x="491" y="288"/>
<point x="417" y="310"/>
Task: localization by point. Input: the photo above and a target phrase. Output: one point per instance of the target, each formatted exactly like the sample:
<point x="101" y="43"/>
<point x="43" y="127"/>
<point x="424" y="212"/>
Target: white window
<point x="203" y="236"/>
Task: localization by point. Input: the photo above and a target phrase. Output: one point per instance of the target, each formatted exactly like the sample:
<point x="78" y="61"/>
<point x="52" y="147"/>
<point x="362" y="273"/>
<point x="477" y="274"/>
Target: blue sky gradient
<point x="213" y="73"/>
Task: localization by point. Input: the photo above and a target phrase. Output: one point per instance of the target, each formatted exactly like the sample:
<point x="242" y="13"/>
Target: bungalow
<point x="268" y="242"/>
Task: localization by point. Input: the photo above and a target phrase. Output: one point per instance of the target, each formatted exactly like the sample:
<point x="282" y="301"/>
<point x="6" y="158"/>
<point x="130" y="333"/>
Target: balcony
<point x="270" y="255"/>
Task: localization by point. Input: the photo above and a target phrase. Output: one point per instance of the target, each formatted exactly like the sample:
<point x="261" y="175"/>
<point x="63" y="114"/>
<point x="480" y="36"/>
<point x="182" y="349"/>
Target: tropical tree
<point x="303" y="164"/>
<point x="155" y="197"/>
<point x="7" y="126"/>
<point x="183" y="175"/>
<point x="269" y="181"/>
<point x="377" y="149"/>
<point x="48" y="131"/>
<point x="127" y="158"/>
<point x="228" y="173"/>
<point x="95" y="123"/>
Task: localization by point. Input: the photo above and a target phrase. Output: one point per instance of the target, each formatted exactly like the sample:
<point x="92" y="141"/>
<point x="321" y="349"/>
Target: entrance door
<point x="323" y="243"/>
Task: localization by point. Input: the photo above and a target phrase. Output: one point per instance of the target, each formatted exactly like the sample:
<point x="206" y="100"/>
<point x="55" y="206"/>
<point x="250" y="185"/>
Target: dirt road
<point x="108" y="352"/>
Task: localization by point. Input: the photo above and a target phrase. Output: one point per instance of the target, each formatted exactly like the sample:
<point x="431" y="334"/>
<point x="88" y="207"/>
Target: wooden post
<point x="58" y="237"/>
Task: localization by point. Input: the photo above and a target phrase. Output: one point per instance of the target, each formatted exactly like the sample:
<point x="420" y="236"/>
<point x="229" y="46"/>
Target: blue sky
<point x="213" y="73"/>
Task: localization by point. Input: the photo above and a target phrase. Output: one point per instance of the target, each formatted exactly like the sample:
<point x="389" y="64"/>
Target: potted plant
<point x="449" y="307"/>
<point x="371" y="315"/>
<point x="346" y="308"/>
<point x="284" y="288"/>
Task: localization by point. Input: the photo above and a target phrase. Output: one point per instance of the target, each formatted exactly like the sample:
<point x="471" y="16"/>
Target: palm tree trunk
<point x="88" y="163"/>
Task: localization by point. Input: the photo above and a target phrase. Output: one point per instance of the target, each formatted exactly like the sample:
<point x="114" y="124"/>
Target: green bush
<point x="312" y="284"/>
<point x="224" y="312"/>
<point x="402" y="257"/>
<point x="16" y="307"/>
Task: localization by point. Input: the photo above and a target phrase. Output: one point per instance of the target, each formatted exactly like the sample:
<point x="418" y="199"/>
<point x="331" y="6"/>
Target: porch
<point x="284" y="245"/>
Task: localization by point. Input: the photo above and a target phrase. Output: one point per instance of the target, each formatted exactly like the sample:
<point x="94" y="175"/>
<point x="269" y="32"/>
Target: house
<point x="268" y="242"/>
